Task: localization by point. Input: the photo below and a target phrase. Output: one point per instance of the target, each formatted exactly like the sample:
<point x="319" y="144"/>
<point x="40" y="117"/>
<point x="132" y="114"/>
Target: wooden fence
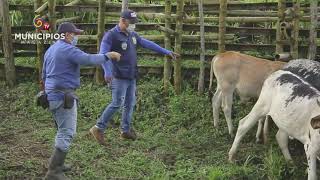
<point x="259" y="17"/>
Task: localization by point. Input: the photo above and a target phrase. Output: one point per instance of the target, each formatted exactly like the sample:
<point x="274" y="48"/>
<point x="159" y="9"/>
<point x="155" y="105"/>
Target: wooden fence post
<point x="40" y="45"/>
<point x="203" y="50"/>
<point x="178" y="42"/>
<point x="167" y="44"/>
<point x="222" y="25"/>
<point x="99" y="79"/>
<point x="281" y="10"/>
<point x="52" y="15"/>
<point x="10" y="71"/>
<point x="125" y="5"/>
<point x="294" y="51"/>
<point x="313" y="29"/>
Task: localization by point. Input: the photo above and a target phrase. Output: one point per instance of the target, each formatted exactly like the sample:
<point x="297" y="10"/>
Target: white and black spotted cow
<point x="308" y="70"/>
<point x="294" y="106"/>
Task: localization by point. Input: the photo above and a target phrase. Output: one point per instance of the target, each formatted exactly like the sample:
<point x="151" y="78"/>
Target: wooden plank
<point x="22" y="54"/>
<point x="187" y="72"/>
<point x="19" y="7"/>
<point x="187" y="56"/>
<point x="186" y="27"/>
<point x="116" y="7"/>
<point x="192" y="45"/>
<point x="42" y="8"/>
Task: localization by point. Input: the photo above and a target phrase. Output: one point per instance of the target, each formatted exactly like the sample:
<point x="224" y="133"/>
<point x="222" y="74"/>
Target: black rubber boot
<point x="56" y="166"/>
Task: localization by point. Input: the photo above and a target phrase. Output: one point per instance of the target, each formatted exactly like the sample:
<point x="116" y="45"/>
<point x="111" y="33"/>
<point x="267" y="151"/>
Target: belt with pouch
<point x="69" y="97"/>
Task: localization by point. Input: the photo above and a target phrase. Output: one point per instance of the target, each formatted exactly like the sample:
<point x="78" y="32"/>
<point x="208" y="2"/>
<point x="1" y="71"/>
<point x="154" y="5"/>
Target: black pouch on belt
<point x="42" y="100"/>
<point x="69" y="99"/>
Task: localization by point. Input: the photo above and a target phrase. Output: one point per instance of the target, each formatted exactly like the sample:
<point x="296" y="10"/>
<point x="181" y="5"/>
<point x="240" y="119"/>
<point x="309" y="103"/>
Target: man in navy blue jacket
<point x="122" y="74"/>
<point x="60" y="78"/>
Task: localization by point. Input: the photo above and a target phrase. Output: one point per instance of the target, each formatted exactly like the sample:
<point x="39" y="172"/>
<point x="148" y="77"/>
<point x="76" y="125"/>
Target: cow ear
<point x="315" y="122"/>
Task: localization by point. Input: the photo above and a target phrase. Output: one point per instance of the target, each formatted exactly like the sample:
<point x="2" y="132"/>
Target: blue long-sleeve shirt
<point x="61" y="67"/>
<point x="125" y="44"/>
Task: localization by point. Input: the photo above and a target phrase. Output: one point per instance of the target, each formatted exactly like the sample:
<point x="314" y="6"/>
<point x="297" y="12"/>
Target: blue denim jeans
<point x="66" y="121"/>
<point x="123" y="95"/>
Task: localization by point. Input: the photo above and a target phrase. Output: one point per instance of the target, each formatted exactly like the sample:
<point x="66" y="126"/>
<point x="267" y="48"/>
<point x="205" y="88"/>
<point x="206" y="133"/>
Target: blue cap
<point x="130" y="15"/>
<point x="68" y="27"/>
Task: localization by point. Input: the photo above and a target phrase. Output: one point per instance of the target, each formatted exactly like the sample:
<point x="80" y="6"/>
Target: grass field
<point x="176" y="139"/>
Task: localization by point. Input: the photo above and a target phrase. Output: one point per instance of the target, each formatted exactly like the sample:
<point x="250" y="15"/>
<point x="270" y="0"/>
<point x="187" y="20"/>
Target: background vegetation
<point x="176" y="139"/>
<point x="176" y="135"/>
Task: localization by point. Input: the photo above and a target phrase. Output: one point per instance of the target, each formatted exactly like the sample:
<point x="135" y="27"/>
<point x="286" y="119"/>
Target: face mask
<point x="131" y="27"/>
<point x="74" y="40"/>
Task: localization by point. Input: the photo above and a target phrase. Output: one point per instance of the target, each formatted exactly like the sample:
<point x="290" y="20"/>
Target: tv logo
<point x="40" y="24"/>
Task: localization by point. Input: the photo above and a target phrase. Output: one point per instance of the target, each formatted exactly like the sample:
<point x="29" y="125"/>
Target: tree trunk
<point x="40" y="46"/>
<point x="10" y="71"/>
<point x="281" y="10"/>
<point x="313" y="29"/>
<point x="52" y="15"/>
<point x="167" y="44"/>
<point x="99" y="79"/>
<point x="179" y="30"/>
<point x="203" y="51"/>
<point x="295" y="31"/>
<point x="222" y="25"/>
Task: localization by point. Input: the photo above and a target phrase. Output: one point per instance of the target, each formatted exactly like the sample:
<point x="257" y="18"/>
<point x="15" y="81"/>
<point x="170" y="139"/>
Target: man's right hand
<point x="113" y="56"/>
<point x="41" y="85"/>
<point x="108" y="79"/>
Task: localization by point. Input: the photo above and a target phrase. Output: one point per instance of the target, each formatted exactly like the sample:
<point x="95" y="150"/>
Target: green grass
<point x="176" y="139"/>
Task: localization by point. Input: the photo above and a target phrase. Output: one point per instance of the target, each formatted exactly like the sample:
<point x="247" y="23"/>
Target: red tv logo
<point x="40" y="23"/>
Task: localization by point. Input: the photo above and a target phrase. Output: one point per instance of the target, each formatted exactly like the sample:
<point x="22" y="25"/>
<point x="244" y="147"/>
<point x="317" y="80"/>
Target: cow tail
<point x="211" y="77"/>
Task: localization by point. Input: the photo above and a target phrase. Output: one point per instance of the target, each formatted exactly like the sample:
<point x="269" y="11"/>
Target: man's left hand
<point x="174" y="55"/>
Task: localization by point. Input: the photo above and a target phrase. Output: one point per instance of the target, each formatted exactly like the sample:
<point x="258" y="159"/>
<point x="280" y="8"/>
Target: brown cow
<point x="244" y="73"/>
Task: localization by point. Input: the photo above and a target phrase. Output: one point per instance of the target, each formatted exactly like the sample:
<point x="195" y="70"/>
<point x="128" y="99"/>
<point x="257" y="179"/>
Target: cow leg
<point x="257" y="113"/>
<point x="312" y="150"/>
<point x="228" y="97"/>
<point x="266" y="129"/>
<point x="282" y="139"/>
<point x="216" y="103"/>
<point x="265" y="124"/>
<point x="259" y="131"/>
<point x="312" y="162"/>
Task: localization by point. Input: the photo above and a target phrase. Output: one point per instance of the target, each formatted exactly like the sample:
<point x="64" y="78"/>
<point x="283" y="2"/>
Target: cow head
<point x="315" y="122"/>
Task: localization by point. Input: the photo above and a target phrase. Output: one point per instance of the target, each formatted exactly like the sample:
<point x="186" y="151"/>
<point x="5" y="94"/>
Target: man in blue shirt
<point x="60" y="78"/>
<point x="122" y="74"/>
